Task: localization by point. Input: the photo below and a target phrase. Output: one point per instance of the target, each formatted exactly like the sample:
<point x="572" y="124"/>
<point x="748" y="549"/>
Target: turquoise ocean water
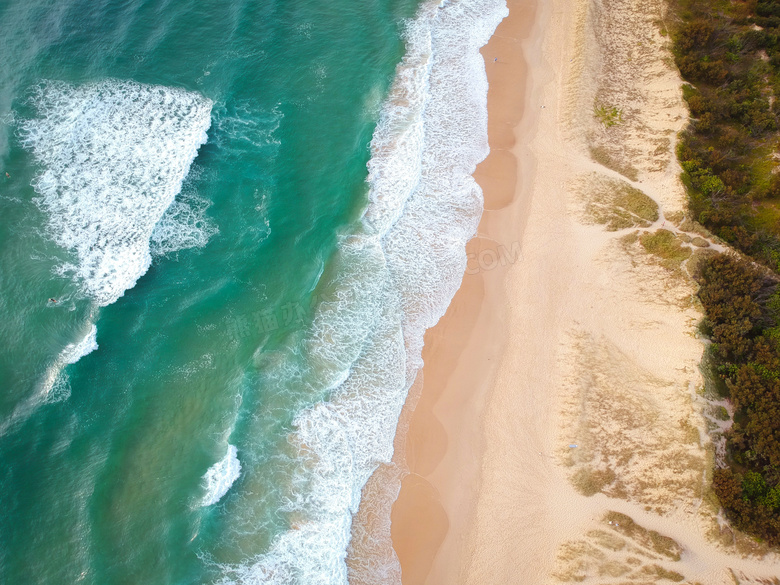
<point x="224" y="228"/>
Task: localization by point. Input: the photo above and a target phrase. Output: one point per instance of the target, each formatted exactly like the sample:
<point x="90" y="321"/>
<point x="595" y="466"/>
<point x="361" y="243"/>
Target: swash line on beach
<point x="394" y="277"/>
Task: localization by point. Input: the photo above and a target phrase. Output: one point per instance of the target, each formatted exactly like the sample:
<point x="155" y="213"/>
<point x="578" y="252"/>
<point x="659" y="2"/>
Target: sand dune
<point x="563" y="432"/>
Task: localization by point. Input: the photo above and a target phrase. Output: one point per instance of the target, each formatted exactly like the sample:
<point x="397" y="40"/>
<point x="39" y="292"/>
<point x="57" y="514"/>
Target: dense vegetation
<point x="729" y="53"/>
<point x="742" y="305"/>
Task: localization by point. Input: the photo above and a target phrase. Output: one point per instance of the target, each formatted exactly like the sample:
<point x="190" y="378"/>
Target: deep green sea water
<point x="211" y="309"/>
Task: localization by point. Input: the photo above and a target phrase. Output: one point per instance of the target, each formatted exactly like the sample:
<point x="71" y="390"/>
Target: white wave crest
<point x="73" y="352"/>
<point x="393" y="279"/>
<point x="114" y="155"/>
<point x="54" y="385"/>
<point x="220" y="476"/>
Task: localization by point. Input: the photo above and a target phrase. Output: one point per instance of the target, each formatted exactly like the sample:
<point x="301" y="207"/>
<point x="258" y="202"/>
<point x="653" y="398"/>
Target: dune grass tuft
<point x="589" y="481"/>
<point x="650" y="539"/>
<point x="667" y="247"/>
<point x="618" y="205"/>
<point x="601" y="155"/>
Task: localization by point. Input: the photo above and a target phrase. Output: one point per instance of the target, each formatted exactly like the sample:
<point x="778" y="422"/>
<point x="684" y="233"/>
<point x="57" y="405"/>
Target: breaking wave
<point x="220" y="476"/>
<point x="114" y="155"/>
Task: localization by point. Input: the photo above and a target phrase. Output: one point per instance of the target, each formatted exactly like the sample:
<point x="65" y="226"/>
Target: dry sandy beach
<point x="562" y="431"/>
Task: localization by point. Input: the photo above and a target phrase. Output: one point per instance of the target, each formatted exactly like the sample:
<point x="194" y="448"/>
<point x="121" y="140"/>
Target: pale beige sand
<point x="443" y="447"/>
<point x="562" y="433"/>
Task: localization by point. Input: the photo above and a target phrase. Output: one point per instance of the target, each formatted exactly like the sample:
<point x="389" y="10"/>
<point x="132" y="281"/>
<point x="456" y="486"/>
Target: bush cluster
<point x="729" y="53"/>
<point x="742" y="305"/>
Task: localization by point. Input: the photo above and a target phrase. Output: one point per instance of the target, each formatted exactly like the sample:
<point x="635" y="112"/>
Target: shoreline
<point x="441" y="447"/>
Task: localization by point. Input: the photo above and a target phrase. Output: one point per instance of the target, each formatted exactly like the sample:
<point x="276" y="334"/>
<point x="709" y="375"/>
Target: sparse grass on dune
<point x="666" y="246"/>
<point x="589" y="481"/>
<point x="650" y="539"/>
<point x="615" y="203"/>
<point x="618" y="205"/>
<point x="603" y="156"/>
<point x="697" y="261"/>
<point x="622" y="552"/>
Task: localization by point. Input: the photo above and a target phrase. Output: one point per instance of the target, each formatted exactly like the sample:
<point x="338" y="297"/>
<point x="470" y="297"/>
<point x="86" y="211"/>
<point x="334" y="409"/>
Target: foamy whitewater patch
<point x="183" y="225"/>
<point x="221" y="476"/>
<point x="394" y="278"/>
<point x="114" y="155"/>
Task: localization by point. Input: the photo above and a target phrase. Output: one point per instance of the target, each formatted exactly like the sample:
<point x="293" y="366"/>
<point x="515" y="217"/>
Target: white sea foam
<point x="243" y="127"/>
<point x="220" y="477"/>
<point x="113" y="157"/>
<point x="183" y="225"/>
<point x="393" y="279"/>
